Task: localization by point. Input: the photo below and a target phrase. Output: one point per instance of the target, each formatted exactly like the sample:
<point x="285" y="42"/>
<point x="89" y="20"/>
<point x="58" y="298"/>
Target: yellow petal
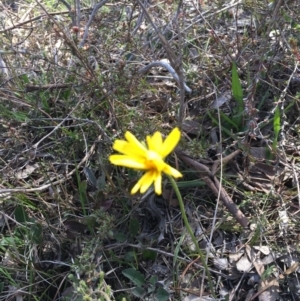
<point x="172" y="171"/>
<point x="144" y="183"/>
<point x="120" y="145"/>
<point x="146" y="180"/>
<point x="155" y="142"/>
<point x="126" y="148"/>
<point x="170" y="143"/>
<point x="136" y="145"/>
<point x="157" y="184"/>
<point x="127" y="161"/>
<point x="135" y="188"/>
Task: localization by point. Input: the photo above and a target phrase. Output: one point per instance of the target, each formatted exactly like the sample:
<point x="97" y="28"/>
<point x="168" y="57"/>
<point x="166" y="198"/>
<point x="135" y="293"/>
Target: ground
<point x="75" y="76"/>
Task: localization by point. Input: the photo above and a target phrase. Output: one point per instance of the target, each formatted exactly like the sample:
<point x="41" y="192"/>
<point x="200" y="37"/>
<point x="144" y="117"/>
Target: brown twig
<point x="224" y="161"/>
<point x="35" y="19"/>
<point x="213" y="183"/>
<point x="30" y="88"/>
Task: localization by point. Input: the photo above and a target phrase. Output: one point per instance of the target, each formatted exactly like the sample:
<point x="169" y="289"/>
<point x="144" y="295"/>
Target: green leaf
<point x="90" y="176"/>
<point x="120" y="237"/>
<point x="20" y="215"/>
<point x="101" y="181"/>
<point x="162" y="294"/>
<point x="134" y="226"/>
<point x="237" y="93"/>
<point x="237" y="90"/>
<point x="11" y="241"/>
<point x="22" y="199"/>
<point x="192" y="183"/>
<point x="135" y="276"/>
<point x="149" y="255"/>
<point x="153" y="280"/>
<point x="215" y="121"/>
<point x="130" y="256"/>
<point x="5" y="275"/>
<point x="66" y="94"/>
<point x="138" y="292"/>
<point x="230" y="121"/>
<point x="24" y="78"/>
<point x="276" y="128"/>
<point x="276" y="123"/>
<point x="36" y="233"/>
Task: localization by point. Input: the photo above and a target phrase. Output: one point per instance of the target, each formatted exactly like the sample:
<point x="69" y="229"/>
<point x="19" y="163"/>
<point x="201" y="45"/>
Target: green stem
<point x="191" y="233"/>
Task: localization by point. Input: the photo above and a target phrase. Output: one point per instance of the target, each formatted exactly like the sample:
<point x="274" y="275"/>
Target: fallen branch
<point x="213" y="183"/>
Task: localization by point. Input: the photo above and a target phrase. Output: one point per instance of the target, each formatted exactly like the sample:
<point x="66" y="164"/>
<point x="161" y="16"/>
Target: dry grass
<point x="70" y="230"/>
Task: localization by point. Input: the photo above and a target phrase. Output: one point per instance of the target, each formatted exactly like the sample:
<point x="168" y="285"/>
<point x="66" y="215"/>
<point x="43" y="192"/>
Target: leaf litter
<point x="62" y="107"/>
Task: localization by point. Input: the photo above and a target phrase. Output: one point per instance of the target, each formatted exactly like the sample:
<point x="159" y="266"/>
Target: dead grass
<point x="70" y="230"/>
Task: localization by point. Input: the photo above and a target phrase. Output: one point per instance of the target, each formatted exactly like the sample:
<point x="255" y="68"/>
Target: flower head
<point x="136" y="155"/>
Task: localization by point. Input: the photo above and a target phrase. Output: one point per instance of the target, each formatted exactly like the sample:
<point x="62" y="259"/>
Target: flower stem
<point x="191" y="233"/>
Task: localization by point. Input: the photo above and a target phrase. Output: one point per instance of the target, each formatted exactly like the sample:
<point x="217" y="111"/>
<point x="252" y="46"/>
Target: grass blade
<point x="237" y="90"/>
<point x="276" y="126"/>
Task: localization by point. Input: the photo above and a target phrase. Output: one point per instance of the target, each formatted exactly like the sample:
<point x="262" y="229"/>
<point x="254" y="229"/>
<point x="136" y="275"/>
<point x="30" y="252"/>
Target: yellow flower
<point x="151" y="159"/>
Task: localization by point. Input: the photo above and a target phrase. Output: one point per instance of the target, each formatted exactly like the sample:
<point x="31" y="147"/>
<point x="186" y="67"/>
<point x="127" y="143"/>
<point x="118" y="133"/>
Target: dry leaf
<point x="244" y="265"/>
<point x="27" y="171"/>
<point x="219" y="101"/>
<point x="263" y="249"/>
